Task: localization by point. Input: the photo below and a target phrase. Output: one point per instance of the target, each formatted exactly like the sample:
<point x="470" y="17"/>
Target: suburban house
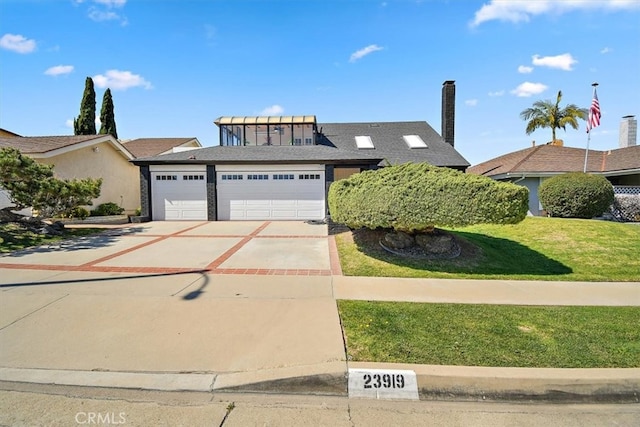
<point x="280" y="167"/>
<point x="95" y="156"/>
<point x="531" y="166"/>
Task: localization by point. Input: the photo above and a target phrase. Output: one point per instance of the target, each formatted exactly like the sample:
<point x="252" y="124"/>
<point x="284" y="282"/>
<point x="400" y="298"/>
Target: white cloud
<point x="523" y="69"/>
<point x="523" y="10"/>
<point x="17" y="43"/>
<point x="364" y="52"/>
<point x="562" y="62"/>
<point x="497" y="93"/>
<point x="69" y="123"/>
<point x="527" y="89"/>
<point x="605" y="50"/>
<point x="471" y="102"/>
<point x="111" y="3"/>
<point x="274" y="110"/>
<point x="59" y="70"/>
<point x="120" y="80"/>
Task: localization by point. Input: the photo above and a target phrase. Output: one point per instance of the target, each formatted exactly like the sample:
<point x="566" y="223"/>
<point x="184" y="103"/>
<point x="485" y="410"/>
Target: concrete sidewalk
<point x="245" y="307"/>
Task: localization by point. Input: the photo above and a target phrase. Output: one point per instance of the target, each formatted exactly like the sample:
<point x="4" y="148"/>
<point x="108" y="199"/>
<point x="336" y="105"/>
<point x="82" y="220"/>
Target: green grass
<point x="13" y="237"/>
<point x="535" y="249"/>
<point x="492" y="335"/>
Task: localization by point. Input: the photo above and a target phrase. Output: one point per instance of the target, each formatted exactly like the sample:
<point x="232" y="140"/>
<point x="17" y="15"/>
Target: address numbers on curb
<point x="383" y="384"/>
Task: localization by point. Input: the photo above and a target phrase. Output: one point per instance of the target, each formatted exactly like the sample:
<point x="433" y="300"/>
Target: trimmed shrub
<point x="78" y="212"/>
<point x="576" y="195"/>
<point x="416" y="197"/>
<point x="107" y="209"/>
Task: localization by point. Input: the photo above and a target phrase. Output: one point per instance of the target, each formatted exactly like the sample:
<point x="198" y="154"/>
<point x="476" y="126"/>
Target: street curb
<point x="573" y="385"/>
<point x="442" y="383"/>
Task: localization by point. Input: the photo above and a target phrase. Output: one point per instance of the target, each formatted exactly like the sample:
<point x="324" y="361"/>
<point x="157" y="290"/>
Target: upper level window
<point x="414" y="141"/>
<point x="363" y="142"/>
<point x="308" y="141"/>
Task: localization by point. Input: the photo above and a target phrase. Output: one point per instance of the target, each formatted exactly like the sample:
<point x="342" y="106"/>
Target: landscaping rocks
<point x="398" y="240"/>
<point x="436" y="243"/>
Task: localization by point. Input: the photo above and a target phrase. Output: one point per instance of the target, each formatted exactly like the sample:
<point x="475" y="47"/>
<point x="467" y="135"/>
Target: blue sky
<point x="175" y="66"/>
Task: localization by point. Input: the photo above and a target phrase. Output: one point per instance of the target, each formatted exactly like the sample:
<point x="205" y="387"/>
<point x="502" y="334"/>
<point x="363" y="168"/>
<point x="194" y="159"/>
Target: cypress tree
<point x="85" y="124"/>
<point x="107" y="116"/>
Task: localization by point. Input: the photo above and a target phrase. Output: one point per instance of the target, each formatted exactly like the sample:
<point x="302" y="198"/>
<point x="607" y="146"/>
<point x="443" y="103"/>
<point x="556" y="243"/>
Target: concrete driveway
<point x="205" y="297"/>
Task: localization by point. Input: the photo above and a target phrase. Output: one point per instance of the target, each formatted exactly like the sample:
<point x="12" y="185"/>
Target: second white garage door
<point x="275" y="195"/>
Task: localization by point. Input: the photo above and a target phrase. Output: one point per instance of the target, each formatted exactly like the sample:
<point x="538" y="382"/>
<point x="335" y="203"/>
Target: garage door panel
<point x="270" y="198"/>
<point x="176" y="198"/>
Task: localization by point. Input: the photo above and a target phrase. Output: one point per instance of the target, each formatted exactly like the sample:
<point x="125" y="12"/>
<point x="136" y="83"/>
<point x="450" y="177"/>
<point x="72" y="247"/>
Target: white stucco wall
<point x="120" y="178"/>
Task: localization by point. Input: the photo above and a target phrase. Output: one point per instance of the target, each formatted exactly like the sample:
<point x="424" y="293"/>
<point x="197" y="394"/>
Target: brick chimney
<point x="448" y="111"/>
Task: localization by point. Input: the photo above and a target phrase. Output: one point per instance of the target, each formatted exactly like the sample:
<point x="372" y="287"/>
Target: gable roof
<point x="388" y="142"/>
<point x="146" y="147"/>
<point x="7" y="133"/>
<point x="552" y="159"/>
<point x="49" y="146"/>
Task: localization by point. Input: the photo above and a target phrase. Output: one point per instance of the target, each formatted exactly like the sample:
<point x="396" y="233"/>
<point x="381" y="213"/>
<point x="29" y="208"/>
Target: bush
<point x="416" y="197"/>
<point x="576" y="195"/>
<point x="78" y="212"/>
<point x="626" y="207"/>
<point x="106" y="209"/>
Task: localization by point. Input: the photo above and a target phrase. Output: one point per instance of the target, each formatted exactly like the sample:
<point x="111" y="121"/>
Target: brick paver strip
<point x="212" y="268"/>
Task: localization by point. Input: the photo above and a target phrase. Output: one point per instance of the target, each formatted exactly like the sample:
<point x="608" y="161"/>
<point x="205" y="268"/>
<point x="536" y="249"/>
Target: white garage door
<point x="275" y="195"/>
<point x="179" y="196"/>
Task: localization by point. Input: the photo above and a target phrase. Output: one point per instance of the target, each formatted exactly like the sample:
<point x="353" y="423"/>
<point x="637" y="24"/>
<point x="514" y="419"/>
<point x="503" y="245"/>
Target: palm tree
<point x="546" y="114"/>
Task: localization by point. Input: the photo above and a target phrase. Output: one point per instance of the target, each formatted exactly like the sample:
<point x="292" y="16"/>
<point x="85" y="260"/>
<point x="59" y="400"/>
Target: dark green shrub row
<point x="416" y="197"/>
<point x="106" y="209"/>
<point x="576" y="195"/>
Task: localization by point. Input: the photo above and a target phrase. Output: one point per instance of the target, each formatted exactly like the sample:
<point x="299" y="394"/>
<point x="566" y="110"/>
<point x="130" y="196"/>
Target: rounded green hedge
<point x="576" y="195"/>
<point x="415" y="197"/>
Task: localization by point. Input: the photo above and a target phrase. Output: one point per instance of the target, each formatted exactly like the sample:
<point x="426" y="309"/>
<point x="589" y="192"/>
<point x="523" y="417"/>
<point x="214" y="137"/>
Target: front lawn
<point x="535" y="249"/>
<point x="492" y="335"/>
<point x="15" y="236"/>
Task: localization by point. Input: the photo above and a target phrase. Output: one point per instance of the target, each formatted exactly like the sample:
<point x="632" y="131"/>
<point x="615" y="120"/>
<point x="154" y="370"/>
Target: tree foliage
<point x="416" y="197"/>
<point x="85" y="123"/>
<point x="547" y="114"/>
<point x="576" y="195"/>
<point x="30" y="184"/>
<point x="107" y="116"/>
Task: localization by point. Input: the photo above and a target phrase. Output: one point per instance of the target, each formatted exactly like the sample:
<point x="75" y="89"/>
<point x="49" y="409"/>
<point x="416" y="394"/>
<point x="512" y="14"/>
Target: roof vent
<point x="364" y="142"/>
<point x="414" y="141"/>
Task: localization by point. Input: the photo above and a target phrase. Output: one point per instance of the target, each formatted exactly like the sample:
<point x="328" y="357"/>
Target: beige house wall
<point x="120" y="178"/>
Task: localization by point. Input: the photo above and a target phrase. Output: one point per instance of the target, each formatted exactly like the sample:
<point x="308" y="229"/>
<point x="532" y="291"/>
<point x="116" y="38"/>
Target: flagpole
<point x="589" y="128"/>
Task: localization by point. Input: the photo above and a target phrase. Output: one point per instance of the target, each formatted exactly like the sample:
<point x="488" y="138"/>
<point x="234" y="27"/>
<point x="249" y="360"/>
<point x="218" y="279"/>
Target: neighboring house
<point x="96" y="156"/>
<point x="280" y="167"/>
<point x="145" y="147"/>
<point x="533" y="165"/>
<point x="85" y="156"/>
<point x="7" y="134"/>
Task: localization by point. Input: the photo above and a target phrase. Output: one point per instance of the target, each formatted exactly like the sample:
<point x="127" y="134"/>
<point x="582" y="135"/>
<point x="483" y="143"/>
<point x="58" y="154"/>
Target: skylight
<point x="364" y="142"/>
<point x="414" y="141"/>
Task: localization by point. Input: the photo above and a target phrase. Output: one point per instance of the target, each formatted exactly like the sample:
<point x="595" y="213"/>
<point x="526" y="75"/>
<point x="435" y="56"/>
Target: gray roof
<point x="389" y="144"/>
<point x="263" y="154"/>
<point x="336" y="144"/>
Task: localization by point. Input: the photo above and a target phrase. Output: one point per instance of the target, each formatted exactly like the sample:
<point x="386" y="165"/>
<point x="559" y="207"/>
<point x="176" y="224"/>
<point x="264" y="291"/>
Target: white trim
<point x="268" y="168"/>
<point x="90" y="143"/>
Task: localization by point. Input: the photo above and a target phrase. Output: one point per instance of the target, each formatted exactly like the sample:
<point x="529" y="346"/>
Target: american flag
<point x="594" y="112"/>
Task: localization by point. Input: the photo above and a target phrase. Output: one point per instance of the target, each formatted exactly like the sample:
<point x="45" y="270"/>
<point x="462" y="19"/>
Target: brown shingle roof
<point x="558" y="159"/>
<point x="146" y="147"/>
<point x="44" y="144"/>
